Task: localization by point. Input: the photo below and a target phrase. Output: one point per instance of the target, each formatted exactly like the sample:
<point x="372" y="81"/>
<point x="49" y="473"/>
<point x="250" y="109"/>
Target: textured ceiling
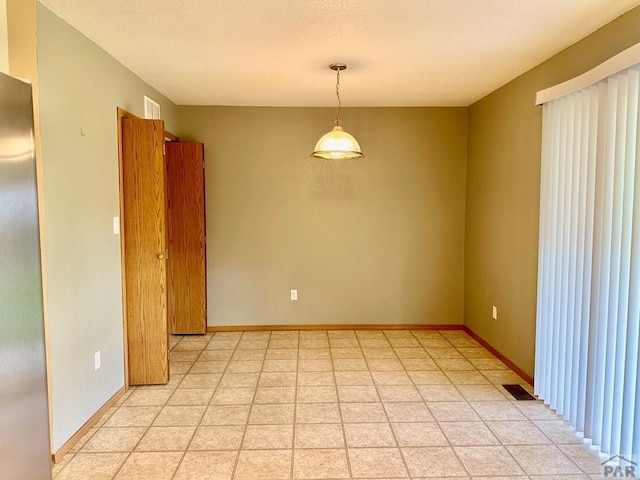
<point x="276" y="52"/>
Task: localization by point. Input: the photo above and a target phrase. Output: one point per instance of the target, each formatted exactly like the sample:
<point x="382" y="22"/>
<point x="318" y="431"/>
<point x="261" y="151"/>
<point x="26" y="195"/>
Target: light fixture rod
<point x="338" y="67"/>
<point x="338" y="95"/>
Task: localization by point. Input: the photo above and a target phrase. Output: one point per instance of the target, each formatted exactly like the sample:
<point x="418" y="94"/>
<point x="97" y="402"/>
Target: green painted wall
<point x="80" y="88"/>
<point x="374" y="240"/>
<point x="503" y="193"/>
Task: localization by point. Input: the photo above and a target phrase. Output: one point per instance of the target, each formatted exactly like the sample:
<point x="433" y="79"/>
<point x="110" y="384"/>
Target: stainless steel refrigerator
<point x="24" y="425"/>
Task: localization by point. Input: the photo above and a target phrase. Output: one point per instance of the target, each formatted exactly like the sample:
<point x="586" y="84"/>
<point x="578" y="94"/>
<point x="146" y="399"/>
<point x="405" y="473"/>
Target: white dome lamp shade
<point x="337" y="144"/>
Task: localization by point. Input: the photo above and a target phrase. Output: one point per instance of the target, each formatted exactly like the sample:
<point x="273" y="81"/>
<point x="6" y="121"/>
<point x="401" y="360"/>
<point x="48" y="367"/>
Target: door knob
<point x="160" y="256"/>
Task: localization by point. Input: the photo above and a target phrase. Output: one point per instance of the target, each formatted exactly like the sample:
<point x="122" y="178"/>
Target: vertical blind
<point x="588" y="312"/>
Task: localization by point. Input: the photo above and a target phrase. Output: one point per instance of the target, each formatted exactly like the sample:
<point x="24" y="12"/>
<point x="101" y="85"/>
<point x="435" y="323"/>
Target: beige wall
<point x="80" y="88"/>
<point x="502" y="198"/>
<point x="377" y="240"/>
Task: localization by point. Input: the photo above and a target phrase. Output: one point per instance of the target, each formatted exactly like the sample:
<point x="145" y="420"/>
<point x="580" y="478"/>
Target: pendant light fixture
<point x="337" y="144"/>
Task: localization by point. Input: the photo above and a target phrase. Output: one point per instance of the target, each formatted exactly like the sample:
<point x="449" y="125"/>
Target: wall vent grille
<point x="151" y="109"/>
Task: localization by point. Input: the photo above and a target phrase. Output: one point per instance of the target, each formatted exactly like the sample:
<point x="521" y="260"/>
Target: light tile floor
<point x="366" y="404"/>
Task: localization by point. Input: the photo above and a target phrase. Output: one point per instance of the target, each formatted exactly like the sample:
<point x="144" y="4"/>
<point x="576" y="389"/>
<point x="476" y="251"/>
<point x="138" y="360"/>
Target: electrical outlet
<point x="294" y="294"/>
<point x="494" y="312"/>
<point x="97" y="361"/>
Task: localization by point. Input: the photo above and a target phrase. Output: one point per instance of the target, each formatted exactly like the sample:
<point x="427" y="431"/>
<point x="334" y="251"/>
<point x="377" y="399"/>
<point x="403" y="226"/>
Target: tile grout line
<point x="251" y="405"/>
<point x="195" y="430"/>
<point x="339" y="404"/>
<point x="451" y="446"/>
<point x="375" y="386"/>
<point x="395" y="437"/>
<point x="453" y="450"/>
<point x="295" y="409"/>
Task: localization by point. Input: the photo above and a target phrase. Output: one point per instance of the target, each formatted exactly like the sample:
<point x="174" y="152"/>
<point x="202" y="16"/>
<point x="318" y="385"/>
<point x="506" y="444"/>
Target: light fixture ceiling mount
<point x="338" y="144"/>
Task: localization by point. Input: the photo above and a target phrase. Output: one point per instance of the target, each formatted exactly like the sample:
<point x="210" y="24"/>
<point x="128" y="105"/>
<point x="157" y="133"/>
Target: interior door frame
<point x="170" y="137"/>
<point x="121" y="113"/>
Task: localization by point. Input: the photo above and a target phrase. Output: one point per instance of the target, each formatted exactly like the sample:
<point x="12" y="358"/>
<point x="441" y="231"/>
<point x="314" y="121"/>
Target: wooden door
<point x="187" y="287"/>
<point x="144" y="241"/>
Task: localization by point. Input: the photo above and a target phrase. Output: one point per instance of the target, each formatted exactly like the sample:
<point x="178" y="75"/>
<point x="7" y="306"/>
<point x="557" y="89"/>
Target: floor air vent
<point x="518" y="392"/>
